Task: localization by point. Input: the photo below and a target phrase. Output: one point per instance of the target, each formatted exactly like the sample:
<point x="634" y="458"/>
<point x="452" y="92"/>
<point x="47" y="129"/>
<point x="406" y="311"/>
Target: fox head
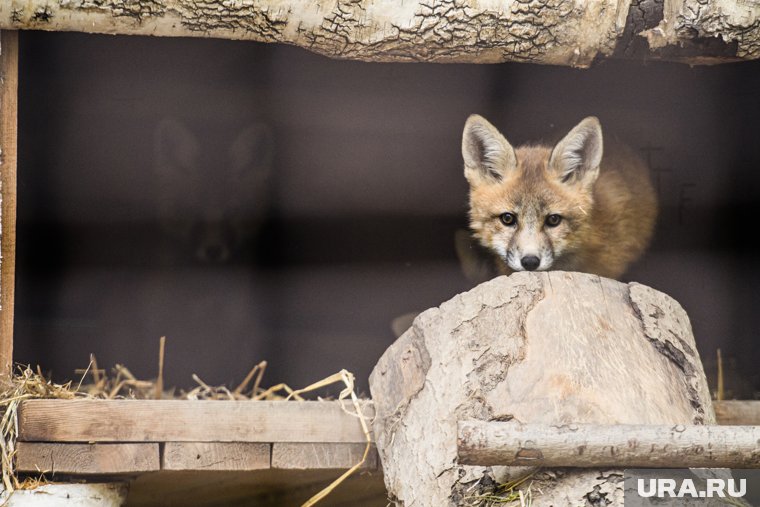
<point x="212" y="188"/>
<point x="531" y="205"/>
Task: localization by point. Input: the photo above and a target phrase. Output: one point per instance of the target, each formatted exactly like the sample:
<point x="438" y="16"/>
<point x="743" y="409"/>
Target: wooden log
<point x="227" y="456"/>
<point x="560" y="32"/>
<point x="737" y="412"/>
<point x="320" y="456"/>
<point x="86" y="459"/>
<point x="547" y="348"/>
<point x="594" y="445"/>
<point x="8" y="153"/>
<point x="187" y="421"/>
<point x="73" y="495"/>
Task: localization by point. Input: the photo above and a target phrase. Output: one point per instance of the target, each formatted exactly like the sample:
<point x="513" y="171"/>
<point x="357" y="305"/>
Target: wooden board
<point x="216" y="456"/>
<point x="186" y="421"/>
<point x="86" y="459"/>
<point x="320" y="456"/>
<point x="737" y="412"/>
<point x="8" y="145"/>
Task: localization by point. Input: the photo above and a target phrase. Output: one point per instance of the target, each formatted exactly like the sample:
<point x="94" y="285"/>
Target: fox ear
<point x="577" y="156"/>
<point x="488" y="156"/>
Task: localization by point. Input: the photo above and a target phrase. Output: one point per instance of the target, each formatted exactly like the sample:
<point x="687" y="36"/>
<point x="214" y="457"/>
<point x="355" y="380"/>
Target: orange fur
<point x="606" y="224"/>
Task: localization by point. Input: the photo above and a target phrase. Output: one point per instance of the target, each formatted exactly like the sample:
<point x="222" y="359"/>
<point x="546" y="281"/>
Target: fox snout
<point x="529" y="252"/>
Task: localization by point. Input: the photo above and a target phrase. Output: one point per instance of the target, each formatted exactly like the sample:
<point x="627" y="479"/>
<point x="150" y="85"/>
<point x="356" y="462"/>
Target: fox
<point x="211" y="189"/>
<point x="574" y="206"/>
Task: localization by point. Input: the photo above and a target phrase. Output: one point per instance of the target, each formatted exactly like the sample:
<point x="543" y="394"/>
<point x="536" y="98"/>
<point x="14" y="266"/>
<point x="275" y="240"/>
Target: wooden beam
<point x="187" y="421"/>
<point x="320" y="456"/>
<point x="737" y="412"/>
<point x="595" y="445"/>
<point x="227" y="456"/>
<point x="8" y="152"/>
<point x="86" y="459"/>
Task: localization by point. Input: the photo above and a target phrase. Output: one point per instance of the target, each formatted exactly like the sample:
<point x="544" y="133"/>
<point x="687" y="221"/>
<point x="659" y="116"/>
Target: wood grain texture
<point x="216" y="456"/>
<point x="8" y="154"/>
<point x="594" y="445"/>
<point x="187" y="421"/>
<point x="547" y="348"/>
<point x="87" y="459"/>
<point x="737" y="412"/>
<point x="318" y="456"/>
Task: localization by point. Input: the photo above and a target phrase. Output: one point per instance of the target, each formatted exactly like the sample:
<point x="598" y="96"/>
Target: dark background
<point x="354" y="224"/>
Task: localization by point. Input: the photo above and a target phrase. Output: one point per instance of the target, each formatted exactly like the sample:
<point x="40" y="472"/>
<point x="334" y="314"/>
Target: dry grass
<point x="513" y="493"/>
<point x="96" y="383"/>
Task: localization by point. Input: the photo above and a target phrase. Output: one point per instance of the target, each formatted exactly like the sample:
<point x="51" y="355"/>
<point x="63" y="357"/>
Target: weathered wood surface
<point x="320" y="456"/>
<point x="225" y="456"/>
<point x="561" y="32"/>
<point x="546" y="348"/>
<point x="594" y="445"/>
<point x="737" y="412"/>
<point x="71" y="495"/>
<point x="187" y="421"/>
<point x="86" y="459"/>
<point x="8" y="154"/>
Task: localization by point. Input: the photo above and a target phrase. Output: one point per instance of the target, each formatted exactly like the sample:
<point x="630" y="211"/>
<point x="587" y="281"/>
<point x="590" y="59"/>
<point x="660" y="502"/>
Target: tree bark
<point x="560" y="32"/>
<point x="534" y="348"/>
<point x="594" y="445"/>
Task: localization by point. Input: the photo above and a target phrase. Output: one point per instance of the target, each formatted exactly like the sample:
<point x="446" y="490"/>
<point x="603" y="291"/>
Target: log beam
<point x="593" y="445"/>
<point x="560" y="32"/>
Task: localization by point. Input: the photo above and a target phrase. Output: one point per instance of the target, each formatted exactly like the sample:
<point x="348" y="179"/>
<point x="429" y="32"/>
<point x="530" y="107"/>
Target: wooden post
<point x="8" y="143"/>
<point x="596" y="445"/>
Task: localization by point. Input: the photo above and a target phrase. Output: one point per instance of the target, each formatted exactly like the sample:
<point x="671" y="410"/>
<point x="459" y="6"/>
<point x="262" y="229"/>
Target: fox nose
<point x="530" y="262"/>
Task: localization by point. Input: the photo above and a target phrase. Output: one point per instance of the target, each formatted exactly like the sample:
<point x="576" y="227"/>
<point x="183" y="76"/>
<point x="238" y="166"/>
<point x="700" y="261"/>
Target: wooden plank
<point x="226" y="456"/>
<point x="187" y="421"/>
<point x="320" y="456"/>
<point x="737" y="412"/>
<point x="87" y="459"/>
<point x="8" y="153"/>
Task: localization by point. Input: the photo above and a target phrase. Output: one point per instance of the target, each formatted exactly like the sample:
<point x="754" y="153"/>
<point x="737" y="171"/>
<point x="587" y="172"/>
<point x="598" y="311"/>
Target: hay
<point x="515" y="492"/>
<point x="96" y="383"/>
<point x="24" y="385"/>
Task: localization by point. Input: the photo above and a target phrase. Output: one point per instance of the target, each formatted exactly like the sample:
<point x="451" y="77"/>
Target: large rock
<point x="535" y="347"/>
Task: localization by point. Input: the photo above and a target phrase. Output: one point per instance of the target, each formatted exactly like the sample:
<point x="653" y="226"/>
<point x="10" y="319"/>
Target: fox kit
<point x="558" y="208"/>
<point x="211" y="189"/>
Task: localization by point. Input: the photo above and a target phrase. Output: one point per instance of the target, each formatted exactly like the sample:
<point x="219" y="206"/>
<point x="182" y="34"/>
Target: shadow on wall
<point x="259" y="202"/>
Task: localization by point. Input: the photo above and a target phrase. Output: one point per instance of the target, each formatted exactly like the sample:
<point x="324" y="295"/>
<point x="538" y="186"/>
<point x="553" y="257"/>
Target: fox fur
<point x="572" y="207"/>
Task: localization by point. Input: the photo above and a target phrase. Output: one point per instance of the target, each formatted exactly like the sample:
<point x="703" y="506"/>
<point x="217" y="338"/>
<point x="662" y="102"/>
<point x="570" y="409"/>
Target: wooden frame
<point x="8" y="147"/>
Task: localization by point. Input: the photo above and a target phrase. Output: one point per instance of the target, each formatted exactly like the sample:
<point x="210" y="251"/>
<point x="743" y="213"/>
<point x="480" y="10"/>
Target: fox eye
<point x="553" y="220"/>
<point x="508" y="219"/>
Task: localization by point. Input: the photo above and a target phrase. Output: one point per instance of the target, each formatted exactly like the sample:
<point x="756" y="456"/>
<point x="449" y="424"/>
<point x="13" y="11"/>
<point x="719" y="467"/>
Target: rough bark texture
<point x="548" y="31"/>
<point x="562" y="32"/>
<point x="620" y="445"/>
<point x="549" y="348"/>
<point x="708" y="30"/>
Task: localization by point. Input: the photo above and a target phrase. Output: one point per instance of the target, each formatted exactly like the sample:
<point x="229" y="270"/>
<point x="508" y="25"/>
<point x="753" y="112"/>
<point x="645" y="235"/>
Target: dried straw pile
<point x="122" y="384"/>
